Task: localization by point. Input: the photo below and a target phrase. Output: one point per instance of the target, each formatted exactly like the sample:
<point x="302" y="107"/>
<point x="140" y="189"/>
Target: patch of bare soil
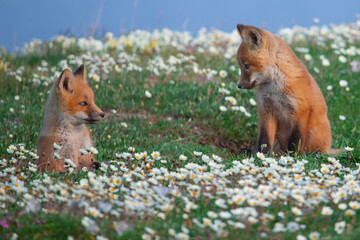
<point x="210" y="137"/>
<point x="200" y="134"/>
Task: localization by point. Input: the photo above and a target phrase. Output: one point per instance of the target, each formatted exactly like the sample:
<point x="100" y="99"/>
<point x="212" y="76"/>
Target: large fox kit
<point x="292" y="109"/>
<point x="70" y="106"/>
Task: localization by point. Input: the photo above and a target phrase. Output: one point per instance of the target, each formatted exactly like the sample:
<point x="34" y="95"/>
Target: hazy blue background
<point x="24" y="20"/>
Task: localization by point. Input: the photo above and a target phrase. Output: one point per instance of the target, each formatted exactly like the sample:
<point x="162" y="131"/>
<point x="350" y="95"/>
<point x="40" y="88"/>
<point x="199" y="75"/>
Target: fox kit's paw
<point x="93" y="165"/>
<point x="58" y="168"/>
<point x="89" y="162"/>
<point x="53" y="165"/>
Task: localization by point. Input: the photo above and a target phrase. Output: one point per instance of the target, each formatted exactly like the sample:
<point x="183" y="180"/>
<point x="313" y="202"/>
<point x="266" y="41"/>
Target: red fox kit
<point x="292" y="109"/>
<point x="70" y="106"/>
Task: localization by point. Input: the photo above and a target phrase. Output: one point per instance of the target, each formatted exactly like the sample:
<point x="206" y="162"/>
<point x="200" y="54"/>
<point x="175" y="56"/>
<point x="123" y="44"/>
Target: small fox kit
<point x="70" y="106"/>
<point x="292" y="109"/>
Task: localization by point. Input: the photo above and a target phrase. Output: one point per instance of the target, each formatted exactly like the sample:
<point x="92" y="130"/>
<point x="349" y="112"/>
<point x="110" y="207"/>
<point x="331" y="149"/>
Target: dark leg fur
<point x="263" y="139"/>
<point x="294" y="139"/>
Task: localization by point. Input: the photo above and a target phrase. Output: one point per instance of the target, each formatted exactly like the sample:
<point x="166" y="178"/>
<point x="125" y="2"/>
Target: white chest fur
<point x="271" y="96"/>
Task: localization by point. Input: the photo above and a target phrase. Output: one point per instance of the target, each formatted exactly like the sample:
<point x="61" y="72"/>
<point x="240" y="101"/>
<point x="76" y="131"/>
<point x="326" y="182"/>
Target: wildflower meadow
<point x="176" y="147"/>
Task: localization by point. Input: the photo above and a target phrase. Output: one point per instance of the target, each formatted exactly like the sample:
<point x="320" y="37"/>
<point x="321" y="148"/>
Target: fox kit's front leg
<point x="267" y="130"/>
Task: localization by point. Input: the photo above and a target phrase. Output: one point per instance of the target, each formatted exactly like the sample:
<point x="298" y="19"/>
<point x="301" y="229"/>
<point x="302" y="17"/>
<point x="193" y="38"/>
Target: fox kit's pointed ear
<point x="241" y="28"/>
<point x="254" y="38"/>
<point x="81" y="73"/>
<point x="250" y="35"/>
<point x="64" y="83"/>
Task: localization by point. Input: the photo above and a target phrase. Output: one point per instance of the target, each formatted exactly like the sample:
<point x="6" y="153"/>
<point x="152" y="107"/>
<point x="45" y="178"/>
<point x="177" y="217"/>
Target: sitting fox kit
<point x="70" y="106"/>
<point x="292" y="109"/>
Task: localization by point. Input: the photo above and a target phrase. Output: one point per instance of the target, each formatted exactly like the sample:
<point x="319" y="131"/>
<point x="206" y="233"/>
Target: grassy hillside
<point x="192" y="173"/>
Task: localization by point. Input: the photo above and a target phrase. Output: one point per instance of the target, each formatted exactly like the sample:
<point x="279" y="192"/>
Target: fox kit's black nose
<point x="102" y="114"/>
<point x="239" y="85"/>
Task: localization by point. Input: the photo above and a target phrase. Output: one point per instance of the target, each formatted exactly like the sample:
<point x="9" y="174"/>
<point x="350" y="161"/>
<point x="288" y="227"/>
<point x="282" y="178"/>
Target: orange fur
<point x="70" y="106"/>
<point x="292" y="109"/>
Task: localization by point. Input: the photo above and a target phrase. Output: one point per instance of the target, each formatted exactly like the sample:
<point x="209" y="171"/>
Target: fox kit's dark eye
<point x="83" y="103"/>
<point x="247" y="66"/>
